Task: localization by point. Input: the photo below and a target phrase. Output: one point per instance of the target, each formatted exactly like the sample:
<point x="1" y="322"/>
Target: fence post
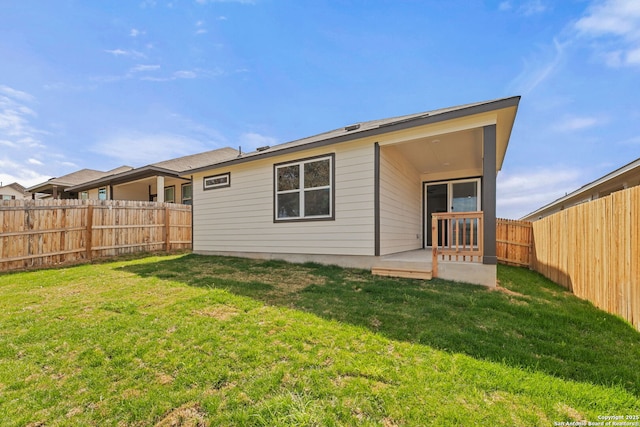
<point x="89" y="236"/>
<point x="167" y="230"/>
<point x="434" y="246"/>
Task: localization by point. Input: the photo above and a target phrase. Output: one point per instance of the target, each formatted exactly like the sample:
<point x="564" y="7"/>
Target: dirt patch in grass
<point x="509" y="292"/>
<point x="187" y="415"/>
<point x="569" y="412"/>
<point x="220" y="312"/>
<point x="286" y="281"/>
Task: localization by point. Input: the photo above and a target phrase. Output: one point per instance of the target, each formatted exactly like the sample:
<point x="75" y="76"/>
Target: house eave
<point x="401" y="124"/>
<point x="124" y="177"/>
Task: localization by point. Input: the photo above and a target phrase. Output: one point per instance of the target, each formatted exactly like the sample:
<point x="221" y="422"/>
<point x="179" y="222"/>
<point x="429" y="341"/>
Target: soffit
<point x="444" y="153"/>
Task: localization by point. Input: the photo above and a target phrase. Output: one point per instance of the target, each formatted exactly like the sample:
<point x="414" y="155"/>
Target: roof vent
<point x="352" y="127"/>
<point x="266" y="147"/>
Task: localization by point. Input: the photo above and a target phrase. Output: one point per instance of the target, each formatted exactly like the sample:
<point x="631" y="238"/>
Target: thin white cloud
<point x="225" y="1"/>
<point x="631" y="141"/>
<point x="11" y="171"/>
<point x="144" y="68"/>
<point x="15" y="118"/>
<point x="126" y="53"/>
<point x="149" y="148"/>
<point x="21" y="139"/>
<point x="135" y="32"/>
<point x="8" y="143"/>
<point x="200" y="28"/>
<point x="505" y="5"/>
<point x="521" y="193"/>
<point x="16" y="94"/>
<point x="574" y="123"/>
<point x="532" y="7"/>
<point x="614" y="26"/>
<point x="68" y="164"/>
<point x="538" y="68"/>
<point x="526" y="8"/>
<point x="184" y="74"/>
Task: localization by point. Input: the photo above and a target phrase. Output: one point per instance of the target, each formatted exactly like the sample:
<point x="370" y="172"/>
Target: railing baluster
<point x="451" y="243"/>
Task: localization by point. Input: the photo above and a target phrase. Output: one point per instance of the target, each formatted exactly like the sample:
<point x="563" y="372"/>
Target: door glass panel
<point x="437" y="201"/>
<point x="465" y="197"/>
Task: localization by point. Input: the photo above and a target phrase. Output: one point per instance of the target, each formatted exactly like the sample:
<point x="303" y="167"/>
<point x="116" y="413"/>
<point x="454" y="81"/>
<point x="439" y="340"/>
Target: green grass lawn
<point x="194" y="341"/>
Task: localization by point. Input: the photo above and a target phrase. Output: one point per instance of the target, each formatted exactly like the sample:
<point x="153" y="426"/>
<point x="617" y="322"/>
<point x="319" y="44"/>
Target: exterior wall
<point x="133" y="191"/>
<point x="93" y="193"/>
<point x="8" y="193"/>
<point x="139" y="190"/>
<point x="400" y="204"/>
<point x="239" y="218"/>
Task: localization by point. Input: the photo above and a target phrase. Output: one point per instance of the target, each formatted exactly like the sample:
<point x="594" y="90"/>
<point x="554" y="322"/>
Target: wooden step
<point x="407" y="273"/>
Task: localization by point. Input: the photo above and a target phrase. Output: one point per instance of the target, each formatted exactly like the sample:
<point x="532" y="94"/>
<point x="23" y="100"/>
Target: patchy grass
<point x="195" y="341"/>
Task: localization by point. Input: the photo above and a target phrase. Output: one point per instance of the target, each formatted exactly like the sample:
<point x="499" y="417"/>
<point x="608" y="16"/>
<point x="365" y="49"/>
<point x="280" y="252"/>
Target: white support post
<point x="160" y="188"/>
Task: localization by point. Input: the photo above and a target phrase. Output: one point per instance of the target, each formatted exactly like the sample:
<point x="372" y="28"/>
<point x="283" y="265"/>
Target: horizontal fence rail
<point x="456" y="236"/>
<point x="41" y="233"/>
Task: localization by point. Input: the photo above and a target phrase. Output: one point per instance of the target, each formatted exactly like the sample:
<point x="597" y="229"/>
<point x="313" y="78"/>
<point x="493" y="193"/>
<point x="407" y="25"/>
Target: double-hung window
<point x="304" y="189"/>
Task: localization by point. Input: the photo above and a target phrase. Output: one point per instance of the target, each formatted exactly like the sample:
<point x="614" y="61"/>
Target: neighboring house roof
<point x="74" y="178"/>
<point x="198" y="160"/>
<point x="16" y="187"/>
<point x="172" y="168"/>
<point x="607" y="184"/>
<point x="369" y="128"/>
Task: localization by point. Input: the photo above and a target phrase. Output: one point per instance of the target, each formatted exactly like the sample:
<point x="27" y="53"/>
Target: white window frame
<point x="216" y="181"/>
<point x="186" y="199"/>
<point x="173" y="189"/>
<point x="301" y="190"/>
<point x="103" y="191"/>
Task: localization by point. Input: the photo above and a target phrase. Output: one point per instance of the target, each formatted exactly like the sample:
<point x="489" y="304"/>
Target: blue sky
<point x="88" y="84"/>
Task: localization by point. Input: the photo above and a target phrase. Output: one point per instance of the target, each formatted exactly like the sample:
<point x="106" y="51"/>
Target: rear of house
<point x="357" y="195"/>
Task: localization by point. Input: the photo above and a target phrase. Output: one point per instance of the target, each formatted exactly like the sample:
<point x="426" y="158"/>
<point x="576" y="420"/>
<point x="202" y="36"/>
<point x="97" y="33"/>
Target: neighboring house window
<point x="84" y="195"/>
<point x="217" y="181"/>
<point x="187" y="194"/>
<point x="304" y="189"/>
<point x="102" y="193"/>
<point x="170" y="194"/>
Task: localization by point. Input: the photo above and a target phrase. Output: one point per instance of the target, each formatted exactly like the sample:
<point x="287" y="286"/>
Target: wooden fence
<point x="514" y="242"/>
<point x="41" y="233"/>
<point x="593" y="249"/>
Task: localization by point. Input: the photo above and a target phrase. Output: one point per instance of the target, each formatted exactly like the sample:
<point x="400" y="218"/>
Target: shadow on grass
<point x="531" y="323"/>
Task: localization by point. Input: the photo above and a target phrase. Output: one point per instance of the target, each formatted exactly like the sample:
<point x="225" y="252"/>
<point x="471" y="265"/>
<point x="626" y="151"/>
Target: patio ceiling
<point x="446" y="152"/>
